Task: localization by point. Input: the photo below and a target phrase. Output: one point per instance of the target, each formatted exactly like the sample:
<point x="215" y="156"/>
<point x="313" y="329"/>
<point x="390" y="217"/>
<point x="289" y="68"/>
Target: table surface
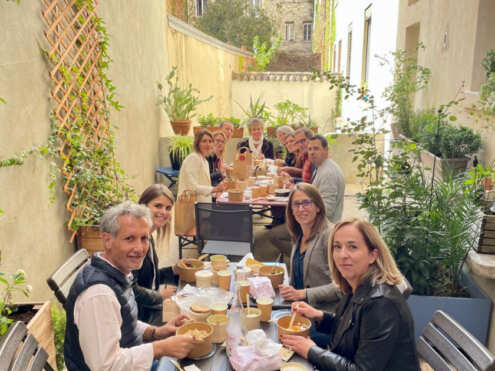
<point x="219" y="360"/>
<point x="261" y="201"/>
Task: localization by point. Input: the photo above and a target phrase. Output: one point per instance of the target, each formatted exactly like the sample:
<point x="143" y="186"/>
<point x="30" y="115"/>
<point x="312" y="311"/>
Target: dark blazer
<point x="215" y="173"/>
<point x="266" y="147"/>
<point x="320" y="291"/>
<point x="372" y="330"/>
<point x="147" y="282"/>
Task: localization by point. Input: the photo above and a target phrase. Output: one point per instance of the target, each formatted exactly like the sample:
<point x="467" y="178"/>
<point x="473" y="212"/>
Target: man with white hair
<point x="103" y="332"/>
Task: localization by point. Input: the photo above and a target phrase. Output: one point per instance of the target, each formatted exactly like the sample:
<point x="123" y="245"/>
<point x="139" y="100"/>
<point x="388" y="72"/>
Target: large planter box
<point x="443" y="167"/>
<point x="40" y="326"/>
<point x="238" y="132"/>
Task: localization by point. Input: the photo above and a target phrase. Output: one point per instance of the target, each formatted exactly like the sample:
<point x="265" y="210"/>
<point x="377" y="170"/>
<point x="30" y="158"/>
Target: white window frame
<point x="204" y="6"/>
<point x="290" y="34"/>
<point x="308" y="31"/>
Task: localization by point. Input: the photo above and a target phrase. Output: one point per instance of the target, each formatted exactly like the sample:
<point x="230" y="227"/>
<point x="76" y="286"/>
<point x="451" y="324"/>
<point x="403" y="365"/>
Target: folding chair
<point x="61" y="280"/>
<point x="446" y="345"/>
<point x="19" y="350"/>
<point x="224" y="228"/>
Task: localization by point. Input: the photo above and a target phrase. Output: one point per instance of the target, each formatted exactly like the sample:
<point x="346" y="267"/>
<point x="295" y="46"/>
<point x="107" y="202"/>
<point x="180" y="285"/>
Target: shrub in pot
<point x="179" y="103"/>
<point x="180" y="147"/>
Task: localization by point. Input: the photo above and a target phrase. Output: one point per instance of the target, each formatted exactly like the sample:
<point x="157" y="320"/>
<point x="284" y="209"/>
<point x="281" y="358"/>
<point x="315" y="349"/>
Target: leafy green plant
<point x="181" y="146"/>
<point x="262" y="54"/>
<point x="409" y="77"/>
<point x="179" y="103"/>
<point x="234" y="120"/>
<point x="257" y="109"/>
<point x="59" y="323"/>
<point x="447" y="141"/>
<point x="10" y="284"/>
<point x="289" y="113"/>
<point x="209" y="120"/>
<point x="426" y="225"/>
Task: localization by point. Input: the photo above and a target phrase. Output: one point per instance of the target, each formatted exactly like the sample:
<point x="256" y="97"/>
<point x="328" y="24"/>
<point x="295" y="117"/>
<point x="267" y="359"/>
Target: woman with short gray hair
<point x="259" y="146"/>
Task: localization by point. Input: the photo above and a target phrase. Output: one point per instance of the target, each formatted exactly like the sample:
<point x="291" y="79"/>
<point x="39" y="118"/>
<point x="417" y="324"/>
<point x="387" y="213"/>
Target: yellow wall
<point x="456" y="36"/>
<point x="33" y="235"/>
<point x="206" y="63"/>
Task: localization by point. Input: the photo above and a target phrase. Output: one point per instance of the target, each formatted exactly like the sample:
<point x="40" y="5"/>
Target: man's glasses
<point x="304" y="204"/>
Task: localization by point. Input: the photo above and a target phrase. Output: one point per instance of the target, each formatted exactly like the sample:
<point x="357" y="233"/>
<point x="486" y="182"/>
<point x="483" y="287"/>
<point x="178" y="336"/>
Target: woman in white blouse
<point x="195" y="173"/>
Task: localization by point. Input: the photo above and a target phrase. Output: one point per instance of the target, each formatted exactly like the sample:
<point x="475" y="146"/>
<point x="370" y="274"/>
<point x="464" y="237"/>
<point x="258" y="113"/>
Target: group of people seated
<point x="342" y="275"/>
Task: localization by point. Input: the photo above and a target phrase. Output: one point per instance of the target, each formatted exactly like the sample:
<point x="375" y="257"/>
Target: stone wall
<point x="299" y="11"/>
<point x="33" y="234"/>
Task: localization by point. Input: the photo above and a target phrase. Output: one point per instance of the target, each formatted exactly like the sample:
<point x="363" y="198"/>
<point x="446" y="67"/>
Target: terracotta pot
<point x="238" y="133"/>
<point x="89" y="238"/>
<point x="314" y="129"/>
<point x="181" y="127"/>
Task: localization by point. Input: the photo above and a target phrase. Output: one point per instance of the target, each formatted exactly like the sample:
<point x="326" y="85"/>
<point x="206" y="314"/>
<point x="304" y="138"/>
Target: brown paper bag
<point x="243" y="162"/>
<point x="184" y="213"/>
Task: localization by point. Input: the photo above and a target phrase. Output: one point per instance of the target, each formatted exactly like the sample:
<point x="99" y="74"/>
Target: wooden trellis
<point x="78" y="88"/>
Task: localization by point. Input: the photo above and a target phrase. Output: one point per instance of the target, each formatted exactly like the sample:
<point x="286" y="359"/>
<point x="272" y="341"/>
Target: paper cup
<point x="265" y="305"/>
<point x="219" y="308"/>
<point x="244" y="290"/>
<point x="203" y="278"/>
<point x="219" y="324"/>
<point x="250" y="320"/>
<point x="224" y="277"/>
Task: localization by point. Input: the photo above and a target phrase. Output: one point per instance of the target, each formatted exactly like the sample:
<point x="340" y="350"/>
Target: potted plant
<point x="180" y="147"/>
<point x="36" y="316"/>
<point x="179" y="103"/>
<point x="288" y="113"/>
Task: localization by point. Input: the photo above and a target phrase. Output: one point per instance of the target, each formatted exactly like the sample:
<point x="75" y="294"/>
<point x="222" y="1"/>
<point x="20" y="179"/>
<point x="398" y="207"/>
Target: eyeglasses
<point x="304" y="204"/>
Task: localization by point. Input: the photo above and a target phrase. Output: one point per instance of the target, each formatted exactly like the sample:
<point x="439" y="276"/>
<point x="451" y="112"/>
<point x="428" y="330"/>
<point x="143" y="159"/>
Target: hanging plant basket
<point x="89" y="238"/>
<point x="181" y="127"/>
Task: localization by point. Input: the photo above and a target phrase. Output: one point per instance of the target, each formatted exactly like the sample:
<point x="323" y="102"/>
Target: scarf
<point x="255" y="147"/>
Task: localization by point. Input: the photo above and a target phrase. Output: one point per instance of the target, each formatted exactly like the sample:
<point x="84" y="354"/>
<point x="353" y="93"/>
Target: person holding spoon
<point x="372" y="328"/>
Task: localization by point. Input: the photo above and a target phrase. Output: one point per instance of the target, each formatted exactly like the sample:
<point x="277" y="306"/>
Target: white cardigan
<point x="194" y="175"/>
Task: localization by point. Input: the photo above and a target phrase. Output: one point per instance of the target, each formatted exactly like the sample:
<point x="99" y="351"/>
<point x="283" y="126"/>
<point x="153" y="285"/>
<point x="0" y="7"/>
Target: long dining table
<point x="219" y="361"/>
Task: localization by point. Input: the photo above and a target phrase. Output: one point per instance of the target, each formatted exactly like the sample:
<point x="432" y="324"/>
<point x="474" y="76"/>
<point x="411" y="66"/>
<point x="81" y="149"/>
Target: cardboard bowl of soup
<point x="274" y="273"/>
<point x="300" y="326"/>
<point x="187" y="269"/>
<point x="199" y="331"/>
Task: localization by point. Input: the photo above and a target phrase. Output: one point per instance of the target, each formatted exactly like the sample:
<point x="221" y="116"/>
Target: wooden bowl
<point x="187" y="269"/>
<point x="283" y="324"/>
<point x="202" y="349"/>
<point x="274" y="273"/>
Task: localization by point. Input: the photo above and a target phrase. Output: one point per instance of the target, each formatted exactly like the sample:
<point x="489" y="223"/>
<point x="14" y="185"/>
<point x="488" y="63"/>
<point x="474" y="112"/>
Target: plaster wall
<point x="456" y="36"/>
<point x="32" y="231"/>
<point x="207" y="64"/>
<point x="350" y="17"/>
<point x="314" y="95"/>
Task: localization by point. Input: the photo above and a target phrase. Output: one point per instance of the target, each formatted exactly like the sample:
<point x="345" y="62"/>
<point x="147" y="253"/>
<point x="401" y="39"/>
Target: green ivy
<point x="262" y="54"/>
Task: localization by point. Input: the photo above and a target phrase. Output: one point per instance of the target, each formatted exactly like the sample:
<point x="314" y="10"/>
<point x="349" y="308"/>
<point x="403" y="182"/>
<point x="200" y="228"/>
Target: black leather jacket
<point x="147" y="282"/>
<point x="372" y="330"/>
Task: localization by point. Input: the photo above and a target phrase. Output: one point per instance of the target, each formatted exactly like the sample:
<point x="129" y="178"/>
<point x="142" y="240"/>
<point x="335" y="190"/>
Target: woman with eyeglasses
<point x="215" y="160"/>
<point x="309" y="229"/>
<point x="372" y="327"/>
<point x="160" y="202"/>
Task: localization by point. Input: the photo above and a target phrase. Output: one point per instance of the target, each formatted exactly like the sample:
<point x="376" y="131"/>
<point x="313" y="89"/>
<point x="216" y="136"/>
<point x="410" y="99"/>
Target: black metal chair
<point x="20" y="351"/>
<point x="224" y="228"/>
<point x="61" y="280"/>
<point x="446" y="345"/>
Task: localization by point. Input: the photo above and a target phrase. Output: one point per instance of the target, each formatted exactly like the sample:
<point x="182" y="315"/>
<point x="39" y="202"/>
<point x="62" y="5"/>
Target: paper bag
<point x="243" y="161"/>
<point x="184" y="213"/>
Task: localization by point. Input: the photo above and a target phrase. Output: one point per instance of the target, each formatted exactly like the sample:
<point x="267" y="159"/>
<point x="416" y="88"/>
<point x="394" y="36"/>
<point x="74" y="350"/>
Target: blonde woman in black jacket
<point x="372" y="328"/>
